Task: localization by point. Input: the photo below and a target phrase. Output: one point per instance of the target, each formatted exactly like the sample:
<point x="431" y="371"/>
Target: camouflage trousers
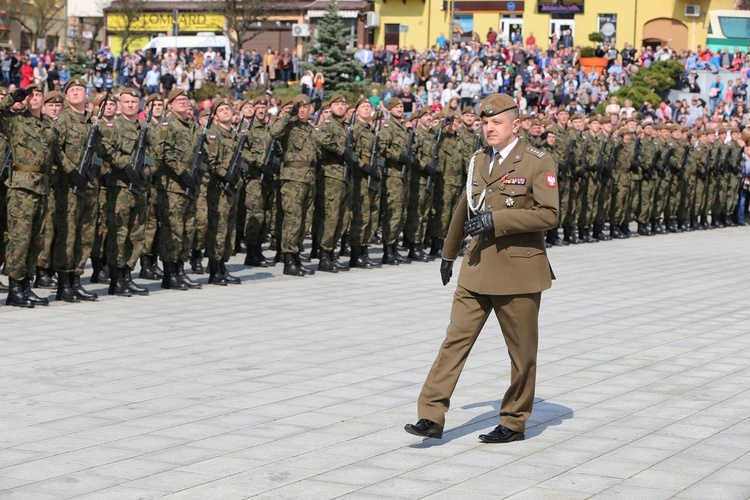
<point x="674" y="196"/>
<point x="75" y="227"/>
<point x="700" y="200"/>
<point x="365" y="204"/>
<point x="3" y="221"/>
<point x="621" y="186"/>
<point x="99" y="250"/>
<point x="173" y="210"/>
<point x="25" y="222"/>
<point x="687" y="199"/>
<point x="334" y="197"/>
<point x="604" y="203"/>
<point x="589" y="198"/>
<point x="411" y="223"/>
<point x="150" y="225"/>
<point x="222" y="222"/>
<point x="197" y="223"/>
<point x="126" y="216"/>
<point x="563" y="185"/>
<point x="444" y="205"/>
<point x="44" y="260"/>
<point x="733" y="193"/>
<point x="719" y="196"/>
<point x="647" y="197"/>
<point x="296" y="201"/>
<point x="393" y="205"/>
<point x="634" y="204"/>
<point x="258" y="198"/>
<point x="661" y="190"/>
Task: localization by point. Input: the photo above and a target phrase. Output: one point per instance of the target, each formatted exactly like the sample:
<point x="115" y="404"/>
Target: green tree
<point x="332" y="57"/>
<point x="76" y="58"/>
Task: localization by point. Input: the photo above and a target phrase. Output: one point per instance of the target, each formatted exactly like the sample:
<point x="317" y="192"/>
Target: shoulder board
<point x="477" y="151"/>
<point x="535" y="151"/>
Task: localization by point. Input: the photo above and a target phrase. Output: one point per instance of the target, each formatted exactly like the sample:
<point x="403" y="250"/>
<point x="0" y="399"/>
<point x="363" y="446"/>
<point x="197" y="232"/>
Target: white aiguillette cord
<point x="473" y="209"/>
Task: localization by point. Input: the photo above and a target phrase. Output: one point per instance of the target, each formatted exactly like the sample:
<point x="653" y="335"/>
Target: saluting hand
<point x="481" y="223"/>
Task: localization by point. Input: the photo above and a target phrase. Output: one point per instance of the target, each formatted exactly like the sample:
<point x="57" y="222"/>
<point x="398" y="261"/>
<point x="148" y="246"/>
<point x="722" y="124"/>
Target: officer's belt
<point x="332" y="164"/>
<point x="297" y="164"/>
<point x="28" y="168"/>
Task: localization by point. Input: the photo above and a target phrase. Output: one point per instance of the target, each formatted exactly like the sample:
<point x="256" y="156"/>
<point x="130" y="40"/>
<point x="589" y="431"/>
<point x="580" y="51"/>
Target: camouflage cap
<point x="78" y="81"/>
<point x="395" y="101"/>
<point x="154" y="97"/>
<point x="129" y="91"/>
<point x="174" y="94"/>
<point x="54" y="97"/>
<point x="337" y="98"/>
<point x="496" y="104"/>
<point x="301" y="99"/>
<point x="220" y="102"/>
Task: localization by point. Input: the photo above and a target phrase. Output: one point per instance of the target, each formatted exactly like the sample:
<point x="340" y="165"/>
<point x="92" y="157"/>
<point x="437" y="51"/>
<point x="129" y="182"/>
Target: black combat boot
<point x="43" y="280"/>
<point x="254" y="257"/>
<point x="231" y="279"/>
<point x="214" y="274"/>
<point x="4" y="288"/>
<point x="117" y="284"/>
<point x="171" y="280"/>
<point x="358" y="259"/>
<point x="326" y="265"/>
<point x="366" y="255"/>
<point x="344" y="251"/>
<point x="338" y="264"/>
<point x="314" y="249"/>
<point x="96" y="266"/>
<point x="694" y="224"/>
<point x="388" y="257"/>
<point x="64" y="290"/>
<point x="643" y="230"/>
<point x="659" y="228"/>
<point x="147" y="268"/>
<point x="304" y="269"/>
<point x="615" y="233"/>
<point x="416" y="252"/>
<point x="704" y="222"/>
<point x="184" y="277"/>
<point x="301" y="257"/>
<point x="83" y="294"/>
<point x="196" y="264"/>
<point x="16" y="297"/>
<point x="155" y="267"/>
<point x="135" y="289"/>
<point x="290" y="266"/>
<point x="30" y="295"/>
<point x="625" y="229"/>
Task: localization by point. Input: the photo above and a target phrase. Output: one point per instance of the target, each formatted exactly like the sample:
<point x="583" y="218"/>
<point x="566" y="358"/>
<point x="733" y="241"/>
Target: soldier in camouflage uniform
<point x="420" y="201"/>
<point x="100" y="270"/>
<point x="590" y="177"/>
<point x="393" y="145"/>
<point x="606" y="179"/>
<point x="33" y="145"/>
<point x="127" y="190"/>
<point x="197" y="223"/>
<point x="649" y="149"/>
<point x="624" y="150"/>
<point x="223" y="193"/>
<point x="4" y="174"/>
<point x="675" y="178"/>
<point x="334" y="188"/>
<point x="705" y="174"/>
<point x="696" y="154"/>
<point x="366" y="175"/>
<point x="734" y="176"/>
<point x="177" y="190"/>
<point x="450" y="181"/>
<point x="258" y="184"/>
<point x="149" y="257"/>
<point x="297" y="179"/>
<point x="579" y="145"/>
<point x="76" y="197"/>
<point x="718" y="193"/>
<point x="563" y="143"/>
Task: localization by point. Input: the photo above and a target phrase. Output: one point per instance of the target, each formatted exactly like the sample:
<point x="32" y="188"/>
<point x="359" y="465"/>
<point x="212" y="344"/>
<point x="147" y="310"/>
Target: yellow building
<point x="419" y="23"/>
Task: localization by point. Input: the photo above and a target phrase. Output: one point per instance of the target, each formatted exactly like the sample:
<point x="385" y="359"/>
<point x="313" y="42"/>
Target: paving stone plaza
<point x="297" y="388"/>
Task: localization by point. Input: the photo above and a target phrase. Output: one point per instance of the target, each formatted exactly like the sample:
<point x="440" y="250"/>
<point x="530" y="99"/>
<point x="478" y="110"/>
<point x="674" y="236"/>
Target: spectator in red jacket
<point x="27" y="73"/>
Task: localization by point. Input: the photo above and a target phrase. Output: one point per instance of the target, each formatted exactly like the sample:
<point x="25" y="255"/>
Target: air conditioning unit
<point x="692" y="10"/>
<point x="302" y="30"/>
<point x="372" y="20"/>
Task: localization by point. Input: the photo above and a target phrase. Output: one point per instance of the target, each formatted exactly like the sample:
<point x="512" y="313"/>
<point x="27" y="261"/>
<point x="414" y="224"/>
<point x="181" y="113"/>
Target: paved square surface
<point x="299" y="387"/>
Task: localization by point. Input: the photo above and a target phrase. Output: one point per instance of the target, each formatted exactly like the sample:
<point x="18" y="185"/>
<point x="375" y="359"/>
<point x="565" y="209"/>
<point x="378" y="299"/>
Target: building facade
<point x="419" y="23"/>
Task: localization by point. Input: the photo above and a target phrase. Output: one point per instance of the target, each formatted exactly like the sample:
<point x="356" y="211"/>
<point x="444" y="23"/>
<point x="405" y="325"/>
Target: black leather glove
<point x="349" y="158"/>
<point x="481" y="223"/>
<point x="231" y="178"/>
<point x="446" y="271"/>
<point x="19" y="95"/>
<point x="293" y="112"/>
<point x="431" y="169"/>
<point x="372" y="171"/>
<point x="77" y="179"/>
<point x="187" y="180"/>
<point x="405" y="158"/>
<point x="133" y="176"/>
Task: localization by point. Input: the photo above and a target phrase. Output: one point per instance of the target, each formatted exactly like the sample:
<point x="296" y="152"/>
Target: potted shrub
<point x="588" y="60"/>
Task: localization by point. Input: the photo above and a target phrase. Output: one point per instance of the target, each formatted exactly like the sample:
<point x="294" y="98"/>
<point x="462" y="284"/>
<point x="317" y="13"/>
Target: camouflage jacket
<point x="119" y="139"/>
<point x="331" y="138"/>
<point x="451" y="160"/>
<point x="72" y="131"/>
<point x="33" y="142"/>
<point x="176" y="143"/>
<point x="300" y="151"/>
<point x="364" y="135"/>
<point x="256" y="149"/>
<point x="394" y="138"/>
<point x="219" y="152"/>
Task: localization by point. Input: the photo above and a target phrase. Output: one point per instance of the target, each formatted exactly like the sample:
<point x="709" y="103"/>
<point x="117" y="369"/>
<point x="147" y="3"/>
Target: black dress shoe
<point x="425" y="428"/>
<point x="501" y="434"/>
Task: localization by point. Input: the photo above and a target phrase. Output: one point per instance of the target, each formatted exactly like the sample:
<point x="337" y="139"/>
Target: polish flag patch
<point x="551" y="181"/>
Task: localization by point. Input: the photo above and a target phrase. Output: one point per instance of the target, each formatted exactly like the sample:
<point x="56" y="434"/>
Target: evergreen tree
<point x="76" y="59"/>
<point x="330" y="56"/>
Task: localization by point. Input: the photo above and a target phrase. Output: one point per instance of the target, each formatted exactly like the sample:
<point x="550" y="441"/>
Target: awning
<point x="345" y="14"/>
<point x="4" y="25"/>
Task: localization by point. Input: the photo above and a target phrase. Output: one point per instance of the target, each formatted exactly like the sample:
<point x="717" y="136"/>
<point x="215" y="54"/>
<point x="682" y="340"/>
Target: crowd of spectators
<point x="540" y="79"/>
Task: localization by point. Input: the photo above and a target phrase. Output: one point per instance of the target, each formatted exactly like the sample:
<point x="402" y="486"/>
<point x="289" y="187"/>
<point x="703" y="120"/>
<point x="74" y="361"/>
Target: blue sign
<point x="511" y="5"/>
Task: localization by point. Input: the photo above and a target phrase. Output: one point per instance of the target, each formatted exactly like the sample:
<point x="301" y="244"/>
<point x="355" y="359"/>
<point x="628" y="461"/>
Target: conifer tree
<point x="331" y="57"/>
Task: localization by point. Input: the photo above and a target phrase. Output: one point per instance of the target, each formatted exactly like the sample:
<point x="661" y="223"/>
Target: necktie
<point x="495" y="162"/>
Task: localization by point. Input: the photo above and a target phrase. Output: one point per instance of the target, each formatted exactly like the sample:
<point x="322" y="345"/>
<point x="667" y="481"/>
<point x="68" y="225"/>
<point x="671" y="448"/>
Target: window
<point x="735" y="27"/>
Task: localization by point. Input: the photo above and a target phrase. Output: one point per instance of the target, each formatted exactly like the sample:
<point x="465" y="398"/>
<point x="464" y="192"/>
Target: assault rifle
<point x="6" y="165"/>
<point x="409" y="145"/>
<point x="680" y="172"/>
<point x="88" y="158"/>
<point x="718" y="166"/>
<point x="349" y="149"/>
<point x="599" y="167"/>
<point x="666" y="164"/>
<point x="268" y="161"/>
<point x="233" y="172"/>
<point x="434" y="168"/>
<point x="584" y="162"/>
<point x="652" y="169"/>
<point x="636" y="154"/>
<point x="196" y="164"/>
<point x="565" y="165"/>
<point x="140" y="160"/>
<point x="373" y="166"/>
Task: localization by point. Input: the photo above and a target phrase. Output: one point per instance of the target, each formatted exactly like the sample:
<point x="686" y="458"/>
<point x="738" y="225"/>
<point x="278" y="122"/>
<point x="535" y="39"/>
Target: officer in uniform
<point x="33" y="146"/>
<point x="297" y="179"/>
<point x="127" y="190"/>
<point x="334" y="188"/>
<point x="223" y="194"/>
<point x="149" y="257"/>
<point x="510" y="200"/>
<point x="177" y="190"/>
<point x="76" y="196"/>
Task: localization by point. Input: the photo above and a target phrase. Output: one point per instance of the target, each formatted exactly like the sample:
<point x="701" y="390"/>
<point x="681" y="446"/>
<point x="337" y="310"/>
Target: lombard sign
<point x="558" y="7"/>
<point x="162" y="21"/>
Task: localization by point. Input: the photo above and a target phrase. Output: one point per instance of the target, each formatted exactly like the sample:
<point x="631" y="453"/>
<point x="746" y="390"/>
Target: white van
<point x="201" y="41"/>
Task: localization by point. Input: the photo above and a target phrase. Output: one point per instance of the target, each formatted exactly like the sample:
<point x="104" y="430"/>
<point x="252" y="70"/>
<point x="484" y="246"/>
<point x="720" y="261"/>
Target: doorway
<point x="510" y="26"/>
<point x="559" y="23"/>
